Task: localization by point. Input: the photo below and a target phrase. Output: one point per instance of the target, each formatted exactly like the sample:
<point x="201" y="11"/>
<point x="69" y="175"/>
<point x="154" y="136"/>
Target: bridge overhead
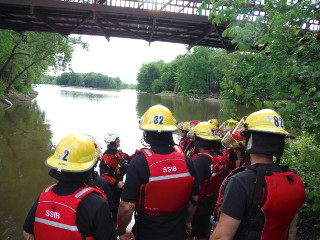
<point x="175" y="21"/>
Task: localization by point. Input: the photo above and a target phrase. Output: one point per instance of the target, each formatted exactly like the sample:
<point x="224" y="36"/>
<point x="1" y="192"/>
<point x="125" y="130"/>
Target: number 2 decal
<point x="158" y="119"/>
<point x="66" y="154"/>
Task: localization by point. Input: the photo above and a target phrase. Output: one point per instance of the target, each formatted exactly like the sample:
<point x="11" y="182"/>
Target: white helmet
<point x="110" y="137"/>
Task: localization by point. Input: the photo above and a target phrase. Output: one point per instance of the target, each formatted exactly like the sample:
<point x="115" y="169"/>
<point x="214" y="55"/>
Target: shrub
<point x="303" y="155"/>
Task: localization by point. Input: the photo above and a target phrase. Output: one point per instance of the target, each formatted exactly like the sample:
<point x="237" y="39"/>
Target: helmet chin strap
<point x="143" y="140"/>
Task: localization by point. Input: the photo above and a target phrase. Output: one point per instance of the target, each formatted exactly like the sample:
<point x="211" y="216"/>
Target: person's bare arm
<point x="192" y="207"/>
<point x="125" y="213"/>
<point x="226" y="228"/>
<point x="28" y="236"/>
<point x="293" y="228"/>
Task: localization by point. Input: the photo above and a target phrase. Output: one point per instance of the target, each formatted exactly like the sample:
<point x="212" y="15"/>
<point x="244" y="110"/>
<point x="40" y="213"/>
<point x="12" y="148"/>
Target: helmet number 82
<point x="278" y="122"/>
<point x="158" y="119"/>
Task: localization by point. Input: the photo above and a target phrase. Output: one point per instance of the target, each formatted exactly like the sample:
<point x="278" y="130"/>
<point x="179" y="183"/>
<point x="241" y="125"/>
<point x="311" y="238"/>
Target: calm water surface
<point x="29" y="132"/>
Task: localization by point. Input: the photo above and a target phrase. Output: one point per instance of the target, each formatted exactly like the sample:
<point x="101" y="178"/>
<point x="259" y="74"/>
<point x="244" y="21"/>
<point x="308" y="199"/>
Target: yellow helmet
<point x="213" y="122"/>
<point x="207" y="131"/>
<point x="266" y="120"/>
<point x="158" y="118"/>
<point x="74" y="153"/>
<point x="184" y="126"/>
<point x="228" y="125"/>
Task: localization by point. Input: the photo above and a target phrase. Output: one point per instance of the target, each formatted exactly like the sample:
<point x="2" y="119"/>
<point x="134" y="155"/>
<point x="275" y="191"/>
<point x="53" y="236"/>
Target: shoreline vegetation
<point x="15" y="98"/>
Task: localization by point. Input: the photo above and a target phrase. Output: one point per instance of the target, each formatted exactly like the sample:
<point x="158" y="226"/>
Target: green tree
<point x="283" y="54"/>
<point x="28" y="56"/>
<point x="147" y="74"/>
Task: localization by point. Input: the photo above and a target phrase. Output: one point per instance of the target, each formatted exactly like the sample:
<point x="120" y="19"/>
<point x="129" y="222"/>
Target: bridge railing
<point x="184" y="7"/>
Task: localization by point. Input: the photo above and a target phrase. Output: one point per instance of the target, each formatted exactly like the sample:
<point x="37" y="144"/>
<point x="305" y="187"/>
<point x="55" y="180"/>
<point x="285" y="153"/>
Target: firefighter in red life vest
<point x="234" y="143"/>
<point x="113" y="166"/>
<point x="184" y="142"/>
<point x="260" y="201"/>
<point x="211" y="168"/>
<point x="160" y="184"/>
<point x="73" y="208"/>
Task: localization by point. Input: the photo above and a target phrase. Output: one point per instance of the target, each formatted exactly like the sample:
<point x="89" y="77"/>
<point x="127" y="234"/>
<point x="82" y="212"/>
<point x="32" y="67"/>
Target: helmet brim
<point x="157" y="128"/>
<point x="64" y="166"/>
<point x="270" y="131"/>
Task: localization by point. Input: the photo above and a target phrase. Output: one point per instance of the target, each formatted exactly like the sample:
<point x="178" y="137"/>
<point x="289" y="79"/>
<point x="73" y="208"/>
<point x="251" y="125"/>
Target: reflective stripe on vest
<point x="152" y="179"/>
<point x="79" y="194"/>
<point x="55" y="224"/>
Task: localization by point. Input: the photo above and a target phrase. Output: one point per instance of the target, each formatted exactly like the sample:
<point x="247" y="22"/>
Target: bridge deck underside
<point x="109" y="21"/>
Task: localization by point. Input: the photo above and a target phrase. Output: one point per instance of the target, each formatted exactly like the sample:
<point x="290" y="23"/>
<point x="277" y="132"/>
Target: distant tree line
<point x="90" y="80"/>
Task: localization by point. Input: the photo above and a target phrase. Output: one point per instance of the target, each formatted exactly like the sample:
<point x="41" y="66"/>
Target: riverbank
<point x="16" y="98"/>
<point x="205" y="99"/>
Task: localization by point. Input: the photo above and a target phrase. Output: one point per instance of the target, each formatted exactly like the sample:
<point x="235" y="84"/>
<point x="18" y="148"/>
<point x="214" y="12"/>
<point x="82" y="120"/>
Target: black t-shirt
<point x="169" y="227"/>
<point x="202" y="165"/>
<point x="93" y="215"/>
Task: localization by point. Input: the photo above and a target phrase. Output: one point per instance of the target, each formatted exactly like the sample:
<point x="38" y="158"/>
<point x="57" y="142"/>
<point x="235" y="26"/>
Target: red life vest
<point x="55" y="216"/>
<point x="170" y="183"/>
<point x="219" y="170"/>
<point x="277" y="198"/>
<point x="185" y="144"/>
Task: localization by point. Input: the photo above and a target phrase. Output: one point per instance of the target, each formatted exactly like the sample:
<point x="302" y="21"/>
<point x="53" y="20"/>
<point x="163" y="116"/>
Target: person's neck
<point x="261" y="158"/>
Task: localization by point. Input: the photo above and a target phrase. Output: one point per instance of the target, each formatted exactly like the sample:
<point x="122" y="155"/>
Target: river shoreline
<point x="205" y="99"/>
<point x="16" y="98"/>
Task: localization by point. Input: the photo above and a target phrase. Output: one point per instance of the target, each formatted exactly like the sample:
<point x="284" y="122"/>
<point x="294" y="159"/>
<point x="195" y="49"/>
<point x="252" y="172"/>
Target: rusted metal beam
<point x="181" y="33"/>
<point x="123" y="27"/>
<point x="101" y="27"/>
<point x="205" y="34"/>
<point x="220" y="37"/>
<point x="48" y="22"/>
<point x="165" y="5"/>
<point x="89" y="15"/>
<point x="152" y="30"/>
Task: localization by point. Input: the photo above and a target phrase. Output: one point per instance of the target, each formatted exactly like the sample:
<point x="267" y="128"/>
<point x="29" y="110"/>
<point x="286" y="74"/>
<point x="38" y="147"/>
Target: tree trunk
<point x="7" y="90"/>
<point x="13" y="53"/>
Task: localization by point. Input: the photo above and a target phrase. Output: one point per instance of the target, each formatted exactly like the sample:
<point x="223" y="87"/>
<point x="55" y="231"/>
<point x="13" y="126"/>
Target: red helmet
<point x="193" y="123"/>
<point x="233" y="138"/>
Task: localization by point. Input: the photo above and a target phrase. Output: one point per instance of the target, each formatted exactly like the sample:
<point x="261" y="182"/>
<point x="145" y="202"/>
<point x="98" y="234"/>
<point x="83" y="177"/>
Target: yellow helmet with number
<point x="75" y="153"/>
<point x="158" y="118"/>
<point x="207" y="131"/>
<point x="266" y="120"/>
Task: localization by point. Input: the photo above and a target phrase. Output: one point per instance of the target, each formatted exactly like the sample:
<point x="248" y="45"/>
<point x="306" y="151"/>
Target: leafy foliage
<point x="303" y="154"/>
<point x="24" y="58"/>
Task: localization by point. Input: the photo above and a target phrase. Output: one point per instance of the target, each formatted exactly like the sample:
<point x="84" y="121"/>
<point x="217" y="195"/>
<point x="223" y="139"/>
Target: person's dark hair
<point x="84" y="177"/>
<point x="207" y="144"/>
<point x="158" y="138"/>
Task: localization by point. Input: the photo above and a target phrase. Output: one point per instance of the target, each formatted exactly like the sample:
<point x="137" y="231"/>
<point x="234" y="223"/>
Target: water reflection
<point x="25" y="141"/>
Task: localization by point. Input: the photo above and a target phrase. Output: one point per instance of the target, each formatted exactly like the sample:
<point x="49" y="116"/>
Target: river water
<point x="30" y="131"/>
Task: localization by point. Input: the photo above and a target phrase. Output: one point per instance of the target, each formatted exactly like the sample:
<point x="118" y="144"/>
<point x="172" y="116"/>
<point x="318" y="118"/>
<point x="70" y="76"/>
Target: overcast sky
<point x="122" y="57"/>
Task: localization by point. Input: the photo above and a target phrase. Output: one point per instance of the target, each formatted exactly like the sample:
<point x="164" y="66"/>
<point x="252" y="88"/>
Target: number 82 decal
<point x="278" y="122"/>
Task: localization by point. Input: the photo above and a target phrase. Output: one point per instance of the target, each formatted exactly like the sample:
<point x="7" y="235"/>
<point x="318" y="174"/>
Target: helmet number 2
<point x="158" y="120"/>
<point x="278" y="122"/>
<point x="66" y="154"/>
